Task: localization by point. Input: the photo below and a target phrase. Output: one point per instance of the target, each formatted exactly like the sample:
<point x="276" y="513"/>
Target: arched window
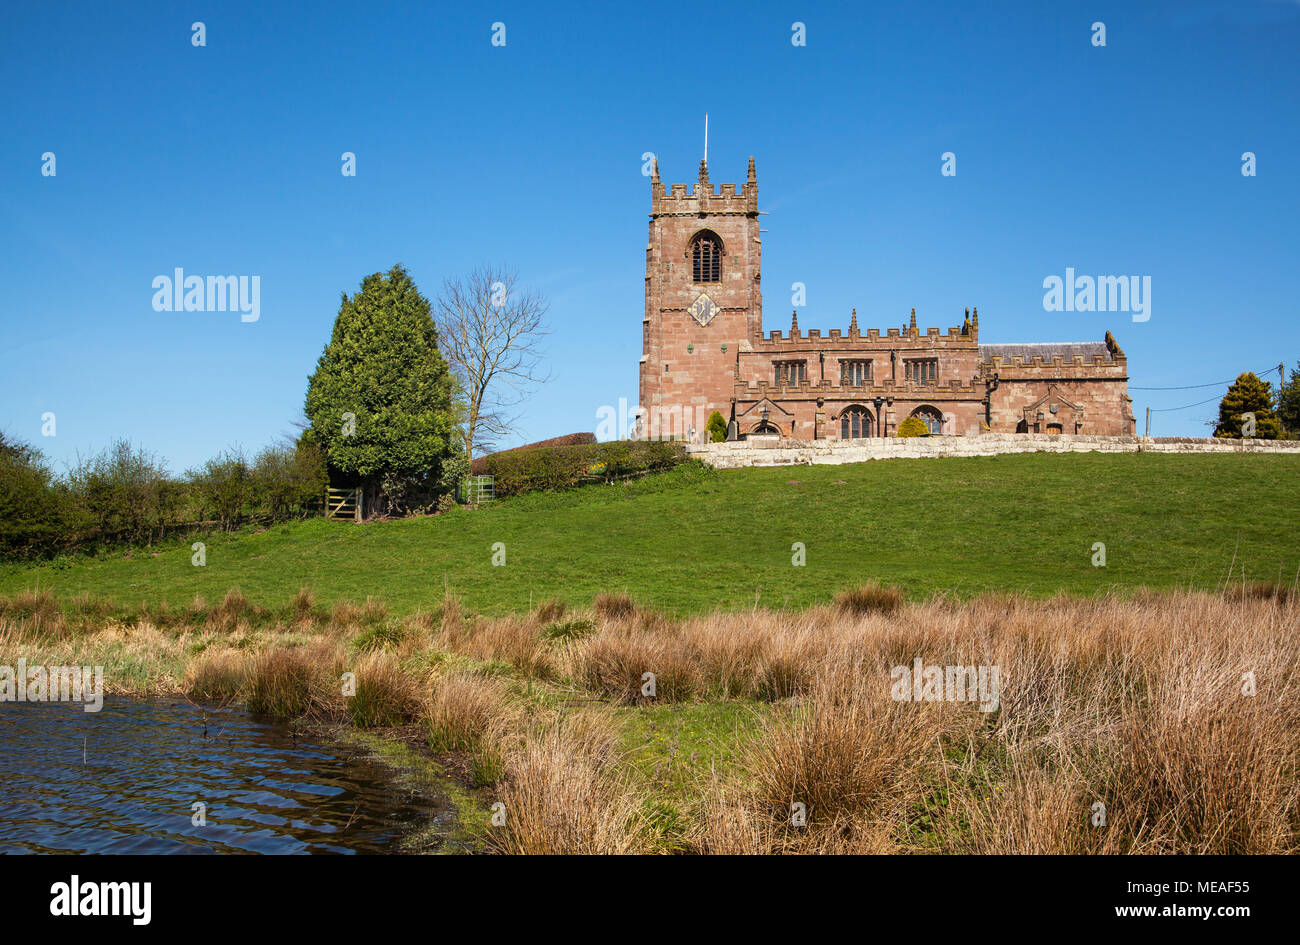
<point x="856" y="423"/>
<point x="706" y="257"/>
<point x="932" y="417"/>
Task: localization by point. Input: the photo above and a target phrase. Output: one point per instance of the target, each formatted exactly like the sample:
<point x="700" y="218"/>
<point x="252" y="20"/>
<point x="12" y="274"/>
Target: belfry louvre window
<point x="855" y="373"/>
<point x="922" y="372"/>
<point x="706" y="258"/>
<point x="791" y="373"/>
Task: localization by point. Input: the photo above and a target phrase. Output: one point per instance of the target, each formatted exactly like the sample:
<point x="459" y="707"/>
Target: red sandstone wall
<point x="1101" y="390"/>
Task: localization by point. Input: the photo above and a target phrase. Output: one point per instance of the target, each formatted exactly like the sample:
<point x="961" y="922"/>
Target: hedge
<point x="124" y="496"/>
<point x="549" y="468"/>
<point x="479" y="466"/>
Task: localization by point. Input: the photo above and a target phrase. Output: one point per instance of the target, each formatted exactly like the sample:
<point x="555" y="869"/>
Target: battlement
<point x="1038" y="362"/>
<point x="701" y="197"/>
<point x="777" y="342"/>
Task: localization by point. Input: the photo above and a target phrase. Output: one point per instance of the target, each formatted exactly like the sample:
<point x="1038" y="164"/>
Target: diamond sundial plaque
<point x="703" y="309"/>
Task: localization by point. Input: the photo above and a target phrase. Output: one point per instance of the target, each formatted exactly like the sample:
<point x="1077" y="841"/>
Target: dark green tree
<point x="1288" y="403"/>
<point x="717" y="427"/>
<point x="1248" y="394"/>
<point x="33" y="515"/>
<point x="380" y="401"/>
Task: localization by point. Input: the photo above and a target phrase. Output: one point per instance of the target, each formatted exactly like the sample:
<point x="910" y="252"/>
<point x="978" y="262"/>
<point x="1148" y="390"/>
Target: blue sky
<point x="1123" y="160"/>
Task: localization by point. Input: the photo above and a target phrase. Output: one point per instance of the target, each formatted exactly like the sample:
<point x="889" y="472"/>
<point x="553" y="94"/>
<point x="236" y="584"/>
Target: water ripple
<point x="147" y="761"/>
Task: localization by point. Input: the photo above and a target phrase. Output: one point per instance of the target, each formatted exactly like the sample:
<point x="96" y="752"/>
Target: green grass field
<point x="692" y="541"/>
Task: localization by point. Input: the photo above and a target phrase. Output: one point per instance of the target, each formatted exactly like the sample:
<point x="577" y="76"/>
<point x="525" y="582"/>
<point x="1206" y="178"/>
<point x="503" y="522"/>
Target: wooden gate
<point x="343" y="503"/>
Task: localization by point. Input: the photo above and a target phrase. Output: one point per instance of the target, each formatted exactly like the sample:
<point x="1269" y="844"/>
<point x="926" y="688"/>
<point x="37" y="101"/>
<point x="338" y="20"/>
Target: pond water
<point x="125" y="779"/>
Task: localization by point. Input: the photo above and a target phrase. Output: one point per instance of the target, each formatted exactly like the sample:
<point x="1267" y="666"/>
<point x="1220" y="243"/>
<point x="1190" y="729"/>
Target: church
<point x="705" y="350"/>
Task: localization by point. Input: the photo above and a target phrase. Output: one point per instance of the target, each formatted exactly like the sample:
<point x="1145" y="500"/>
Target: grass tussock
<point x="514" y="640"/>
<point x="461" y="710"/>
<point x="227" y="615"/>
<point x="385" y="636"/>
<point x="38" y="612"/>
<point x="297" y="681"/>
<point x="217" y="675"/>
<point x="869" y="599"/>
<point x="566" y="630"/>
<point x="1261" y="590"/>
<point x="565" y="791"/>
<point x="385" y="695"/>
<point x="302" y="606"/>
<point x="618" y="606"/>
<point x="549" y="611"/>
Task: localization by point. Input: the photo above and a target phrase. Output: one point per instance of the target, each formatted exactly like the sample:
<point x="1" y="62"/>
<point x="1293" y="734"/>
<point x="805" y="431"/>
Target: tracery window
<point x="856" y="423"/>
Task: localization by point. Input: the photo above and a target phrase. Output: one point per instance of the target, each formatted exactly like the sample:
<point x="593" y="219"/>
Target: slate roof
<point x="1066" y="349"/>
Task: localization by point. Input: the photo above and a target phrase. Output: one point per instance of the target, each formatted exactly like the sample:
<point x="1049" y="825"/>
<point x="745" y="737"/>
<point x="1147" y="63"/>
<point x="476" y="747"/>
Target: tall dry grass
<point x="462" y="708"/>
<point x="1124" y="727"/>
<point x="565" y="790"/>
<point x="1125" y="724"/>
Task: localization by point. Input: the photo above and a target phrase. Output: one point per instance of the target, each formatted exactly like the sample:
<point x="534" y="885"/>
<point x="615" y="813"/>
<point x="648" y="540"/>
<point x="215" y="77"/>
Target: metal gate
<point x="477" y="489"/>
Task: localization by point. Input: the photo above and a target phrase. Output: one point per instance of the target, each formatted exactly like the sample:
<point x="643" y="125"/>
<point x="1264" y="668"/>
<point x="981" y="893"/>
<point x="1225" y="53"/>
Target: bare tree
<point x="490" y="331"/>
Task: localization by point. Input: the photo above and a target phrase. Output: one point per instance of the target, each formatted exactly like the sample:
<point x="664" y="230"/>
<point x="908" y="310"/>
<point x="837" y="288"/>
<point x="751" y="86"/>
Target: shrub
<point x="717" y="427"/>
<point x="454" y="469"/>
<point x="479" y="466"/>
<point x="223" y="486"/>
<point x="286" y="481"/>
<point x="913" y="426"/>
<point x="122" y="495"/>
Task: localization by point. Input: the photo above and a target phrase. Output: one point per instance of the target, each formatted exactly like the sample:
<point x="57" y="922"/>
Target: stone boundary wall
<point x="775" y="451"/>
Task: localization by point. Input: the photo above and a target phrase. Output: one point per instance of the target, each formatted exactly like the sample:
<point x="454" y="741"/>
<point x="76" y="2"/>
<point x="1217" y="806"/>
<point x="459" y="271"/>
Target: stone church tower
<point x="703" y="298"/>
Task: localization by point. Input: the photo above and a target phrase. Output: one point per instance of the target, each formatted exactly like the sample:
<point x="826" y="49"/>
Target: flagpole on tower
<point x="706" y="137"/>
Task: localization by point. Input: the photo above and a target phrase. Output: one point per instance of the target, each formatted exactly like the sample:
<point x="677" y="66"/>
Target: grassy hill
<point x="692" y="541"/>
